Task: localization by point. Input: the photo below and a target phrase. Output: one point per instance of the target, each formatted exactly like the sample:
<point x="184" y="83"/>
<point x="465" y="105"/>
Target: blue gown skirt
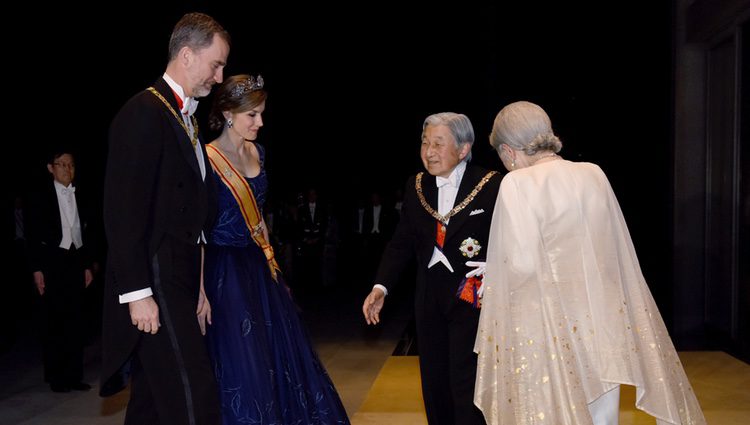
<point x="265" y="365"/>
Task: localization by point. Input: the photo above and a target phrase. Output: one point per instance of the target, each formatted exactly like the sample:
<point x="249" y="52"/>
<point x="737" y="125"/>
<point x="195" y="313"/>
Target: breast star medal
<point x="470" y="247"/>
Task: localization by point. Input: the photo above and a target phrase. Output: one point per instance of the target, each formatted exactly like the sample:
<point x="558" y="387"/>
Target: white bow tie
<point x="189" y="105"/>
<point x="442" y="181"/>
<point x="68" y="190"/>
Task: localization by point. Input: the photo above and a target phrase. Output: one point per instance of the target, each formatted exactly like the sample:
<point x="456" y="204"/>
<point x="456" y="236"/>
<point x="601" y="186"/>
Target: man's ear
<point x="464" y="151"/>
<point x="185" y="55"/>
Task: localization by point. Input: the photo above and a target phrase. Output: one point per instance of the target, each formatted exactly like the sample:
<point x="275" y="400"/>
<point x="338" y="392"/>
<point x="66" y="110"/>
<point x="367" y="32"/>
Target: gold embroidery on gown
<point x="567" y="314"/>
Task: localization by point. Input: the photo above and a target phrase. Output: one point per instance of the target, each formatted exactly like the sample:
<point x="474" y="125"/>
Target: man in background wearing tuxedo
<point x="57" y="231"/>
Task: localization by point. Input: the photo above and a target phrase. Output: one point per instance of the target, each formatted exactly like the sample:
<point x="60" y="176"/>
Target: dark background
<point x="350" y="86"/>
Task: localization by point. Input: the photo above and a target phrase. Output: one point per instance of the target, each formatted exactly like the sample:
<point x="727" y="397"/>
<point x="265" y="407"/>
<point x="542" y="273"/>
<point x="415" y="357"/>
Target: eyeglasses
<point x="64" y="165"/>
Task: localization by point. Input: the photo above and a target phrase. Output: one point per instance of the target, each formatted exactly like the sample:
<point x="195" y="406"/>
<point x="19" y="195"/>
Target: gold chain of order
<point x="470" y="197"/>
<point x="194" y="137"/>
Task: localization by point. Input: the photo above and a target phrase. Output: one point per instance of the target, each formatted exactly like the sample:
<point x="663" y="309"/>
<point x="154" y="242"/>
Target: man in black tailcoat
<point x="60" y="250"/>
<point x="445" y="221"/>
<point x="158" y="205"/>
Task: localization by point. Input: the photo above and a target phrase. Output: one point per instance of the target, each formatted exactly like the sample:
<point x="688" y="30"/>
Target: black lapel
<point x="55" y="219"/>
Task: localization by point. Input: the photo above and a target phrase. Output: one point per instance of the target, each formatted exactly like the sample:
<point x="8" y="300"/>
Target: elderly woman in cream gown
<point x="566" y="313"/>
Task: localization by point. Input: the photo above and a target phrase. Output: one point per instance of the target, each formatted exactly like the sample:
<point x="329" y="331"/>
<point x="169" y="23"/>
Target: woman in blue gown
<point x="265" y="365"/>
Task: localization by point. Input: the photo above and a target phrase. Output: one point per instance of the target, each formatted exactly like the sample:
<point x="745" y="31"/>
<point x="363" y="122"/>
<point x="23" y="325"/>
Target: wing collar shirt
<point x="376" y="218"/>
<point x="69" y="220"/>
<point x="447" y="191"/>
<point x="189" y="106"/>
<point x="311" y="206"/>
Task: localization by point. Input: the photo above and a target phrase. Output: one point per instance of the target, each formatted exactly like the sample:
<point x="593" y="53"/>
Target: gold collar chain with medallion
<point x="470" y="197"/>
<point x="193" y="137"/>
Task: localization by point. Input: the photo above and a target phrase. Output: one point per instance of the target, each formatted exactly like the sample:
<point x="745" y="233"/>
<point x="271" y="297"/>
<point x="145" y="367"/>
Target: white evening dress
<point x="566" y="313"/>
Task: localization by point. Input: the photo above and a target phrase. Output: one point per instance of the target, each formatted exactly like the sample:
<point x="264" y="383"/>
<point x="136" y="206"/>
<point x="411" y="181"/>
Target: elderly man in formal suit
<point x="60" y="255"/>
<point x="445" y="221"/>
<point x="158" y="204"/>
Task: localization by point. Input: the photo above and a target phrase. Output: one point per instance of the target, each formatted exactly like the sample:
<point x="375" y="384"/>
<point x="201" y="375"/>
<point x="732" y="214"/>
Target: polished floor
<point x="353" y="353"/>
<point x="721" y="382"/>
<point x="376" y="387"/>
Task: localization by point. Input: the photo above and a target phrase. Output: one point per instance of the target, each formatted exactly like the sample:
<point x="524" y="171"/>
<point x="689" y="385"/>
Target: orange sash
<point x="245" y="200"/>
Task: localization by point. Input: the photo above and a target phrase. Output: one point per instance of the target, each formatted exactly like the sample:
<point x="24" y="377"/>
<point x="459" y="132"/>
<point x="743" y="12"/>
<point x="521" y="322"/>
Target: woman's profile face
<point x="247" y="123"/>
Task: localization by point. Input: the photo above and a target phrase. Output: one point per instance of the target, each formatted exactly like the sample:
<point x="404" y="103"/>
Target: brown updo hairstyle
<point x="238" y="93"/>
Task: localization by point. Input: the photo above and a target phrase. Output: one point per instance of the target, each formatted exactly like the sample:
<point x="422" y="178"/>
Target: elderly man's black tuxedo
<point x="446" y="325"/>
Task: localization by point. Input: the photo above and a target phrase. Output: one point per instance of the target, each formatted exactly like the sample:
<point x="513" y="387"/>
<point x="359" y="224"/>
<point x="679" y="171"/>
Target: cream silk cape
<point x="566" y="313"/>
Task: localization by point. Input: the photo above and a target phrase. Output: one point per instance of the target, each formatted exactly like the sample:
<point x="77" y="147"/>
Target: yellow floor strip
<point x="396" y="396"/>
<point x="721" y="382"/>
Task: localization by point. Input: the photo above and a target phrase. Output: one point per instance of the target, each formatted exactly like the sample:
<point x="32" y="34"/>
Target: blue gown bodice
<point x="230" y="228"/>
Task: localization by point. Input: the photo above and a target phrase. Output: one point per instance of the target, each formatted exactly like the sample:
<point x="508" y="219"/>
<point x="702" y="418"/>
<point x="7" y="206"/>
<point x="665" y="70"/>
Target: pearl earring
<point x="513" y="164"/>
<point x="230" y="123"/>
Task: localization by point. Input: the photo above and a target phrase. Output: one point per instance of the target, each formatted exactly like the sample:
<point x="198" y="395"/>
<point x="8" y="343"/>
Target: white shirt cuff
<point x="136" y="295"/>
<point x="381" y="287"/>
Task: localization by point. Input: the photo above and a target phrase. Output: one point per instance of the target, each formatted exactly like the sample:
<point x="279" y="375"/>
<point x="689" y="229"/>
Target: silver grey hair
<point x="524" y="126"/>
<point x="459" y="126"/>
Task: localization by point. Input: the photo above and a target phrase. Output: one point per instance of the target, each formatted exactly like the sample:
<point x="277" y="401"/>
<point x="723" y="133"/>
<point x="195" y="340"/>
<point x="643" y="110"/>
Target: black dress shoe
<point x="80" y="386"/>
<point x="59" y="388"/>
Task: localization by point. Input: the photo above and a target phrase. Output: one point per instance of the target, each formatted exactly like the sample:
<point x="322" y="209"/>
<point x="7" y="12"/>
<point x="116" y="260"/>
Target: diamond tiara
<point x="248" y="85"/>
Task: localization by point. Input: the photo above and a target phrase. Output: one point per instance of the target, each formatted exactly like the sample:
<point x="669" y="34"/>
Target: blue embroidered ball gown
<point x="266" y="368"/>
